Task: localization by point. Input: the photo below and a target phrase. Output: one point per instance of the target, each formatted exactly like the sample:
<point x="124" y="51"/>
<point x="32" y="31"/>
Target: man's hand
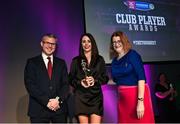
<point x="53" y="104"/>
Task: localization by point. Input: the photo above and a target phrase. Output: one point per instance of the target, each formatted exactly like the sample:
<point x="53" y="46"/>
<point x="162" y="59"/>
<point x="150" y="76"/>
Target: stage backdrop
<point x="153" y="26"/>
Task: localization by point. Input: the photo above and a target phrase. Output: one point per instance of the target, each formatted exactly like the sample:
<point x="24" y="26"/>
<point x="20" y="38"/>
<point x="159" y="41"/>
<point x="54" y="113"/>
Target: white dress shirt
<point x="46" y="60"/>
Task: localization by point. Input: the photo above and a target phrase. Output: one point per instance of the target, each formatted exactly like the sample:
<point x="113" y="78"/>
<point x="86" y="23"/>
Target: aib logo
<point x="138" y="5"/>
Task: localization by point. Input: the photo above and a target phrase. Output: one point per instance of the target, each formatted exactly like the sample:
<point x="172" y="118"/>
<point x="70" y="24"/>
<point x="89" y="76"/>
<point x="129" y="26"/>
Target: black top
<point x="88" y="100"/>
<point x="161" y="88"/>
<point x="166" y="107"/>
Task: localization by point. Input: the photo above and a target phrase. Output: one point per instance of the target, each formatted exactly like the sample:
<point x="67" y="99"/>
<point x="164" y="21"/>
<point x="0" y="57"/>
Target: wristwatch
<point x="141" y="99"/>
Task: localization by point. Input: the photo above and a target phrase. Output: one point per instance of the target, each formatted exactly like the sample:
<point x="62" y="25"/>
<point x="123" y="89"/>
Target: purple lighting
<point x="110" y="103"/>
<point x="148" y="71"/>
<point x="56" y="17"/>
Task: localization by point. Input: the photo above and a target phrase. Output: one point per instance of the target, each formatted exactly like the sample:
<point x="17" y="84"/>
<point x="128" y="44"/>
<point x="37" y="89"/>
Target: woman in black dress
<point x="87" y="74"/>
<point x="165" y="94"/>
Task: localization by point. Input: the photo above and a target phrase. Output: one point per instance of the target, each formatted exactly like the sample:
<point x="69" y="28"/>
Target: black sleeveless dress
<point x="88" y="100"/>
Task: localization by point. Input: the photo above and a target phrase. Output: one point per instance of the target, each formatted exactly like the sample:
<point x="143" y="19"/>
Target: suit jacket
<point x="41" y="88"/>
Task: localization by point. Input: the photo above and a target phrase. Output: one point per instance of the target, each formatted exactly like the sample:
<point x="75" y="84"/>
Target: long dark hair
<point x="94" y="50"/>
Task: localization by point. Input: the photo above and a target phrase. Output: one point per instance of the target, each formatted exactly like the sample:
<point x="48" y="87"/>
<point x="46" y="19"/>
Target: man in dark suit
<point x="46" y="80"/>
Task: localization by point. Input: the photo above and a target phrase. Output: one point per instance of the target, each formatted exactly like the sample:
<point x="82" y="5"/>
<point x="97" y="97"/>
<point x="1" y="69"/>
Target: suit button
<point x="50" y="87"/>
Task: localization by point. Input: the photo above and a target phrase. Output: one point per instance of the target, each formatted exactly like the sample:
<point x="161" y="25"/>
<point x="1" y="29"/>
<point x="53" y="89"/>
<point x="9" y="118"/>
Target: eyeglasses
<point x="116" y="42"/>
<point x="48" y="43"/>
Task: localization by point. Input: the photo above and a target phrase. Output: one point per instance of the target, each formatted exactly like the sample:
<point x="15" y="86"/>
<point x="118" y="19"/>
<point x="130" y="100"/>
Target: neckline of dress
<point x="120" y="58"/>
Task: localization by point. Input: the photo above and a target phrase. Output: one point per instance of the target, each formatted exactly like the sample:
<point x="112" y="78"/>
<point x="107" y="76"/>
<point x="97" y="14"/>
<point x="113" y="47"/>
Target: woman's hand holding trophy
<point x="88" y="80"/>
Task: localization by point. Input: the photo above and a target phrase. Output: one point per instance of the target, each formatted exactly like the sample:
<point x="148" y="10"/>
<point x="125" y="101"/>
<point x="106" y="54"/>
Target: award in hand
<point x="86" y="70"/>
<point x="172" y="93"/>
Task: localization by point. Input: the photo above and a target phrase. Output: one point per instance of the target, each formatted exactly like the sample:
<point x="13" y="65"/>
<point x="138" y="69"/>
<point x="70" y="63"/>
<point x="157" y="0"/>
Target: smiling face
<point x="117" y="44"/>
<point x="86" y="44"/>
<point x="48" y="45"/>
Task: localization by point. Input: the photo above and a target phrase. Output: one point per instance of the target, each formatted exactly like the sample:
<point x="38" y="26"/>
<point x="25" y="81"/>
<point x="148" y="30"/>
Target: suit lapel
<point x="54" y="68"/>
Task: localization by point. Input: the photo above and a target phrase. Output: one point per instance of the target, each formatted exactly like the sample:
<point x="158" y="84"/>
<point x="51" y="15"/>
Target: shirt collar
<point x="45" y="56"/>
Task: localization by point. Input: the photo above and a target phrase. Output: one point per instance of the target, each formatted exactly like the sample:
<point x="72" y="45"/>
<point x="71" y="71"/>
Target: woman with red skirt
<point x="134" y="104"/>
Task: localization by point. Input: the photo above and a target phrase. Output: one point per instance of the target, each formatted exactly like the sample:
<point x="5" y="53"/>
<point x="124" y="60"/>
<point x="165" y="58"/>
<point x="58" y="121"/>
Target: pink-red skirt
<point x="127" y="103"/>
